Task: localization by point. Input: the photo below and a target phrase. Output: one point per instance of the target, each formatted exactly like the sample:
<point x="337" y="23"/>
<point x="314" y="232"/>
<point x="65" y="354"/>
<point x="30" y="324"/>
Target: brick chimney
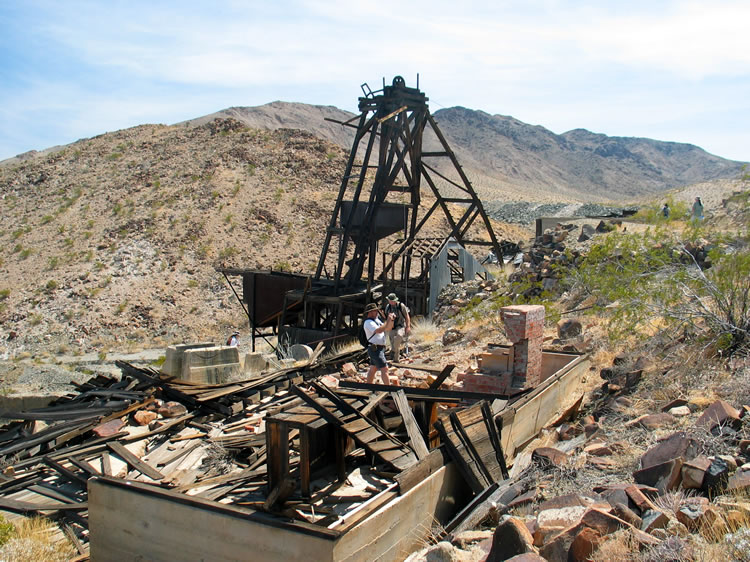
<point x="524" y="327"/>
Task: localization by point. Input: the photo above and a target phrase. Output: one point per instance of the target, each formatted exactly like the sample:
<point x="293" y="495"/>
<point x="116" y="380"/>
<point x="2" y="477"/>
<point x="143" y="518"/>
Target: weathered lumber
<point x="22" y="507"/>
<point x="416" y="440"/>
<point x="498" y="500"/>
<point x="66" y="473"/>
<point x="412" y="393"/>
<point x="142" y="467"/>
<point x="444" y="374"/>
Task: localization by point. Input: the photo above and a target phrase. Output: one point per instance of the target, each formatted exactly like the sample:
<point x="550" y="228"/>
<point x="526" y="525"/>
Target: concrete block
<point x="172" y="365"/>
<point x="25" y="402"/>
<point x="255" y="363"/>
<point x="212" y="365"/>
<point x="211" y="374"/>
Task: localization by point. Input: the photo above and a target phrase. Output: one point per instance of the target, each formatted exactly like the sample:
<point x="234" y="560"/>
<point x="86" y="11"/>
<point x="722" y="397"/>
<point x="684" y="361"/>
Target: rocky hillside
<point x="113" y="241"/>
<point x="117" y="237"/>
<point x="508" y="159"/>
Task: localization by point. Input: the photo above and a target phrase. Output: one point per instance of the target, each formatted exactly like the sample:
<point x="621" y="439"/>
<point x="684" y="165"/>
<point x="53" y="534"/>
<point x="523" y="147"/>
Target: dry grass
<point x="424" y="330"/>
<point x="36" y="539"/>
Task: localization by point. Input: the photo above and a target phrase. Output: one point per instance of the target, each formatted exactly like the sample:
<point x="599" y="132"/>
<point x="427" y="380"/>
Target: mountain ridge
<point x="506" y="158"/>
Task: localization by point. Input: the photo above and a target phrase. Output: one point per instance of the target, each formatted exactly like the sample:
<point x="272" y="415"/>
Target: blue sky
<point x="674" y="71"/>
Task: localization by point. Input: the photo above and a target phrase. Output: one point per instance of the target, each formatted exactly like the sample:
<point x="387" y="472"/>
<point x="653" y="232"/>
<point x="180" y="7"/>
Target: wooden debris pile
<point x="282" y="445"/>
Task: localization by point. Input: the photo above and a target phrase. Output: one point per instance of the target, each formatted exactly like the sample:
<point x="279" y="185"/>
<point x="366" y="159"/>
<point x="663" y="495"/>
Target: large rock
<point x="549" y="456"/>
<point x="720" y="413"/>
<point x="716" y="477"/>
<point x="569" y="328"/>
<point x="693" y="473"/>
<point x="678" y="445"/>
<point x="511" y="537"/>
<point x="584" y="544"/>
<point x="664" y="477"/>
<point x="552" y="521"/>
<point x="653" y="421"/>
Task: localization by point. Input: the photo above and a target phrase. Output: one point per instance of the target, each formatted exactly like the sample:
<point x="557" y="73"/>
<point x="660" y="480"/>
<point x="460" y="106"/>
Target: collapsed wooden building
<point x="280" y="466"/>
<point x="303" y="462"/>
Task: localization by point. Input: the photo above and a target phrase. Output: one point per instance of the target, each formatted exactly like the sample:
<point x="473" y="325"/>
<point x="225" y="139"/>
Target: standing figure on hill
<point x="234" y="339"/>
<point x="375" y="330"/>
<point x="665" y="210"/>
<point x="698" y="209"/>
<point x="399" y="334"/>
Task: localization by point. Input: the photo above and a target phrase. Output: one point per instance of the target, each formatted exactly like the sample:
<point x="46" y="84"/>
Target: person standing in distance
<point x="375" y="330"/>
<point x="399" y="334"/>
<point x="234" y="339"/>
<point x="698" y="209"/>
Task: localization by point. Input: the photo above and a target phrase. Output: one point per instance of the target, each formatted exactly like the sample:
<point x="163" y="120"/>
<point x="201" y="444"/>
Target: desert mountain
<point x="114" y="240"/>
<point x="507" y="159"/>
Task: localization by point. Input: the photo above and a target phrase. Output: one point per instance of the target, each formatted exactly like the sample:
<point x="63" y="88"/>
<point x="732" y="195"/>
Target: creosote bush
<point x="656" y="281"/>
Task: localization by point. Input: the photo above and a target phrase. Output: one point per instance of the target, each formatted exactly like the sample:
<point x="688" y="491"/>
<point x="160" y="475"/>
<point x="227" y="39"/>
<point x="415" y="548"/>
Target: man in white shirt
<point x="375" y="330"/>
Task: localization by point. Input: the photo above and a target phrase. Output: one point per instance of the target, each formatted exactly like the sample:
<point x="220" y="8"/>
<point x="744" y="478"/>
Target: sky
<point x="668" y="70"/>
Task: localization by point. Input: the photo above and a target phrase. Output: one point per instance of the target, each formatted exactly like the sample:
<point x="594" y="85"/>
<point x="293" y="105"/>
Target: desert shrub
<point x="651" y="214"/>
<point x="654" y="282"/>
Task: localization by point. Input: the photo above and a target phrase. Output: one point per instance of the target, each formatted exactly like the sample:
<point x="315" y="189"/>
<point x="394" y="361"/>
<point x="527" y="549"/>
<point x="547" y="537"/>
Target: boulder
<point x="452" y="336"/>
<point x="720" y="413"/>
<point x="693" y="473"/>
<point x="664" y="476"/>
<point x="678" y="445"/>
<point x="511" y="537"/>
<point x="584" y="544"/>
<point x="587" y="232"/>
<point x="652" y="421"/>
<point x="623" y="512"/>
<point x="109" y="428"/>
<point x="549" y="456"/>
<point x="172" y="410"/>
<point x="569" y="328"/>
<point x="654" y="519"/>
<point x="144" y="417"/>
<point x="716" y="476"/>
<point x="739" y="481"/>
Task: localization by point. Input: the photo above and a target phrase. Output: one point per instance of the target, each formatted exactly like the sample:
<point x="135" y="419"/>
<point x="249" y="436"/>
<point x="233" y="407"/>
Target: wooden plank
<point x="413" y="475"/>
<point x="498" y="500"/>
<point x="178" y="454"/>
<point x="83" y="465"/>
<point x="438" y="395"/>
<point x="465" y="464"/>
<point x="420" y="367"/>
<point x="416" y="440"/>
<point x="66" y="473"/>
<point x="356" y="425"/>
<point x="106" y="464"/>
<point x="142" y="467"/>
<point x="495" y="431"/>
<point x="22" y="507"/>
<point x="277" y="447"/>
<point x="444" y="374"/>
